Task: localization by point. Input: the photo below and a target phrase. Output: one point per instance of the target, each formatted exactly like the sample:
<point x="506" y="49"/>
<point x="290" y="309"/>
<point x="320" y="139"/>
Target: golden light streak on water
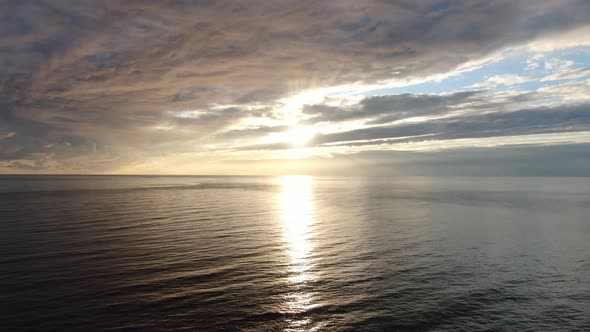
<point x="296" y="202"/>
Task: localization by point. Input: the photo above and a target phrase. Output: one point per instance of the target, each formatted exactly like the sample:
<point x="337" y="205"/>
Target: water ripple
<point x="293" y="254"/>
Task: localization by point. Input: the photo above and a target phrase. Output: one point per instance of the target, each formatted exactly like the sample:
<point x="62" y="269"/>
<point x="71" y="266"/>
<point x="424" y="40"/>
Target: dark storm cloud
<point x="108" y="71"/>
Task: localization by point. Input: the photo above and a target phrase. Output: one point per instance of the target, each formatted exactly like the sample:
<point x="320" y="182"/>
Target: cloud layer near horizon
<point x="123" y="86"/>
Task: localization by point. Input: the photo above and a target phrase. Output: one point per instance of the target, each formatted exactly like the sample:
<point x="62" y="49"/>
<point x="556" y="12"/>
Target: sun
<point x="299" y="136"/>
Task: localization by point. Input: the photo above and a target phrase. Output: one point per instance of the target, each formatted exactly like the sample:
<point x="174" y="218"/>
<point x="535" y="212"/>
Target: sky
<point x="269" y="87"/>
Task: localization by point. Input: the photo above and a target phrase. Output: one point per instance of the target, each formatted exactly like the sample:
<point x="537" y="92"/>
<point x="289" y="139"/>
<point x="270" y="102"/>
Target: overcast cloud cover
<point x="375" y="87"/>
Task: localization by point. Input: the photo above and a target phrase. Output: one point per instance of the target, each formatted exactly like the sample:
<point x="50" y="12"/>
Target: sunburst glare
<point x="299" y="136"/>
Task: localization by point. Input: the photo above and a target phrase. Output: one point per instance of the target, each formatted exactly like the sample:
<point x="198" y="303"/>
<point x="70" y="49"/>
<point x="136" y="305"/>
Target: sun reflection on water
<point x="297" y="217"/>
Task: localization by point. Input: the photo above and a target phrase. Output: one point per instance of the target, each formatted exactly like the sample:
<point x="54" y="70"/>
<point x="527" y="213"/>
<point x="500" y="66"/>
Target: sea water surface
<point x="146" y="253"/>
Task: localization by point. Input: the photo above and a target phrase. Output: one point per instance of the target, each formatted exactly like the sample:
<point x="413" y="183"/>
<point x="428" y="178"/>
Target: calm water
<point x="294" y="253"/>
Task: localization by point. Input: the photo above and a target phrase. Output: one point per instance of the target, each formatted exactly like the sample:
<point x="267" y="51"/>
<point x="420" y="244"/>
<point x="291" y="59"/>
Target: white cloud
<point x="568" y="75"/>
<point x="555" y="64"/>
<point x="569" y="91"/>
<point x="534" y="62"/>
<point x="503" y="79"/>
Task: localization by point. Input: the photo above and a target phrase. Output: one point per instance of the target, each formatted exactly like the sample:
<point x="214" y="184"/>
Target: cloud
<point x="521" y="122"/>
<point x="517" y="160"/>
<point x="568" y="91"/>
<point x="503" y="79"/>
<point x="560" y="40"/>
<point x="84" y="84"/>
<point x="512" y="160"/>
<point x="460" y="115"/>
<point x="568" y="74"/>
<point x="389" y="108"/>
<point x="7" y="135"/>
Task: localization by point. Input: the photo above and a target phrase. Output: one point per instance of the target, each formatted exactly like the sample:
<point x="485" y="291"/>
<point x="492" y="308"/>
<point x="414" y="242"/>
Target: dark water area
<point x="85" y="253"/>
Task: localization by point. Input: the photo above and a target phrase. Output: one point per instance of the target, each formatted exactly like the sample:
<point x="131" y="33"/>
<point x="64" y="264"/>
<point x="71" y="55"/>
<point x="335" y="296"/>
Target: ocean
<point x="294" y="253"/>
